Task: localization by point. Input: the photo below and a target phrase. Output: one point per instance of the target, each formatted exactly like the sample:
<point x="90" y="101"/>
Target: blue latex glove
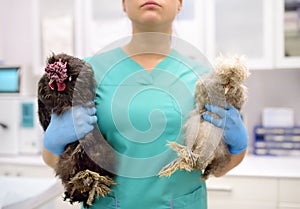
<point x="69" y="127"/>
<point x="235" y="133"/>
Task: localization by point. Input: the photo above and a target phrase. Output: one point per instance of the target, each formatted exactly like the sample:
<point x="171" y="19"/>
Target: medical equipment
<point x="20" y="132"/>
<point x="9" y="79"/>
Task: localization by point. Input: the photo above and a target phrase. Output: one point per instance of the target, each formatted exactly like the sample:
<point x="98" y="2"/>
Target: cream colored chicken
<point x="204" y="147"/>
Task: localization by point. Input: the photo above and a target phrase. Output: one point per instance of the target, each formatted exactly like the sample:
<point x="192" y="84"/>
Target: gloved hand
<point x="235" y="133"/>
<point x="69" y="127"/>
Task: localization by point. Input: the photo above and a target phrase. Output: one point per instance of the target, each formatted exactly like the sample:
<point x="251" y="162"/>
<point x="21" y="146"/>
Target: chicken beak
<point x="51" y="84"/>
<point x="226" y="89"/>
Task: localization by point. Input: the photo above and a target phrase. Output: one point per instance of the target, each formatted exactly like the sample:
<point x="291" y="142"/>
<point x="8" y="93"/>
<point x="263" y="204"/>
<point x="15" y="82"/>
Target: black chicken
<point x="86" y="167"/>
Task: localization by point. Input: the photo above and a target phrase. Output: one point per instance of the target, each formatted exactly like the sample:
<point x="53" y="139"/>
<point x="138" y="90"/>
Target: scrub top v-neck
<point x="138" y="113"/>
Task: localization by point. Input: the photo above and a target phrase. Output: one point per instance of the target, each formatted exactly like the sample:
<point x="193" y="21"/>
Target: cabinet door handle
<point x="219" y="189"/>
<point x="3" y="125"/>
<point x="6" y="173"/>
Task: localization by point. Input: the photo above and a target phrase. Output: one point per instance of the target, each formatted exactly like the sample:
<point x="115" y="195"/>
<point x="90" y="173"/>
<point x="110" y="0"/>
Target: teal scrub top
<point x="138" y="113"/>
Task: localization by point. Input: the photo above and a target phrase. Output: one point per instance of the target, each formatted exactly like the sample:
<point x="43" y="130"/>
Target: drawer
<point x="27" y="171"/>
<point x="242" y="192"/>
<point x="243" y="189"/>
<point x="289" y="191"/>
<point x="286" y="205"/>
<point x="233" y="204"/>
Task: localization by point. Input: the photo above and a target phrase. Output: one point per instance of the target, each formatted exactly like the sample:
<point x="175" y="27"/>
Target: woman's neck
<point x="148" y="49"/>
<point x="149" y="42"/>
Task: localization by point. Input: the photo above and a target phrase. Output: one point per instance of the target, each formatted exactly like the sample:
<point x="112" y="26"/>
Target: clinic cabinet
<point x="289" y="194"/>
<point x="256" y="183"/>
<point x="242" y="27"/>
<point x="254" y="28"/>
<point x="265" y="31"/>
<point x="241" y="192"/>
<point x="235" y="192"/>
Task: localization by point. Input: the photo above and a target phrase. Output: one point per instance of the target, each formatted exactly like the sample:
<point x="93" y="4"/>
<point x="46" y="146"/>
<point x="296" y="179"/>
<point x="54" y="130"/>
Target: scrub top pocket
<point x="194" y="200"/>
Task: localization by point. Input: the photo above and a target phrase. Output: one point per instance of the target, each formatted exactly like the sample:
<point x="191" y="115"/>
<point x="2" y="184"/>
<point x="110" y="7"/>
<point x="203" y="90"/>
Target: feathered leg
<point x="185" y="161"/>
<point x="94" y="183"/>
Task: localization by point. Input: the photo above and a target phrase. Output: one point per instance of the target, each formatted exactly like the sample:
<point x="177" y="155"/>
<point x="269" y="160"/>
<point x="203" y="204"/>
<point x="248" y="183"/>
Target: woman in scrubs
<point x="145" y="92"/>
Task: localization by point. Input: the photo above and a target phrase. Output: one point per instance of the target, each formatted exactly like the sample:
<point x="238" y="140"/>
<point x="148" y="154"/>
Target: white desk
<point x="28" y="193"/>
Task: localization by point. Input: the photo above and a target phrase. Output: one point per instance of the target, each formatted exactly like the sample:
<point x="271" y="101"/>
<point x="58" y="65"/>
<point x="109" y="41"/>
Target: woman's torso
<point x="138" y="113"/>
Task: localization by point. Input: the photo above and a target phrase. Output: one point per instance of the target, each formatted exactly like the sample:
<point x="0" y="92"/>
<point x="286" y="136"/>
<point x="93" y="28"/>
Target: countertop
<point x="267" y="166"/>
<point x="255" y="166"/>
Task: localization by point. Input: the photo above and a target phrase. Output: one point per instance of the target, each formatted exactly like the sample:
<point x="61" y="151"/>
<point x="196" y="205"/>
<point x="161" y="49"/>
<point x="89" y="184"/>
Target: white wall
<point x="16" y="31"/>
<point x="16" y="40"/>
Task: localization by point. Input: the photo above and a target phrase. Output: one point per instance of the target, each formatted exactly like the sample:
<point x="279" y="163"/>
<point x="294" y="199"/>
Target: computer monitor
<point x="9" y="79"/>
